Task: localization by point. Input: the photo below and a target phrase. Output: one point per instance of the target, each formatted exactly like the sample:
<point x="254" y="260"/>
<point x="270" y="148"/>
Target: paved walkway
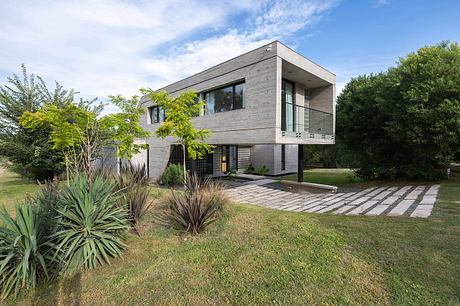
<point x="413" y="201"/>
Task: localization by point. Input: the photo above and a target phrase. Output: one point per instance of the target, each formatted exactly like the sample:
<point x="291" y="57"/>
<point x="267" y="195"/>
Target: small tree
<point x="179" y="113"/>
<point x="80" y="135"/>
<point x="74" y="131"/>
<point x="123" y="127"/>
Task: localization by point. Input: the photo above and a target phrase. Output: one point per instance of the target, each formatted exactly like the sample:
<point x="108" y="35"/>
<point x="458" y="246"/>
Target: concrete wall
<point x="263" y="155"/>
<point x="270" y="156"/>
<point x="259" y="123"/>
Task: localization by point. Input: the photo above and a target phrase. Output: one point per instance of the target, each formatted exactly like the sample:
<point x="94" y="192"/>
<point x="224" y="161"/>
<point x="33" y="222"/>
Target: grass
<point x="335" y="177"/>
<point x="262" y="256"/>
<point x="13" y="188"/>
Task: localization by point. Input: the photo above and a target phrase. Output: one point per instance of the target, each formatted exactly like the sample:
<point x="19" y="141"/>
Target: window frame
<point x="232" y="85"/>
<point x="160" y="114"/>
<point x="284" y="103"/>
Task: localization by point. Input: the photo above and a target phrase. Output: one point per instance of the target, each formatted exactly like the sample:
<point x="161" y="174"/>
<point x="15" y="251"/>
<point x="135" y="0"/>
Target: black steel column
<point x="300" y="163"/>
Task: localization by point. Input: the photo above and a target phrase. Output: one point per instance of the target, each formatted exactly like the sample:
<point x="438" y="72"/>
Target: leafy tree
<point x="71" y="127"/>
<point x="179" y="113"/>
<point x="123" y="127"/>
<point x="404" y="123"/>
<point x="80" y="135"/>
<point x="28" y="152"/>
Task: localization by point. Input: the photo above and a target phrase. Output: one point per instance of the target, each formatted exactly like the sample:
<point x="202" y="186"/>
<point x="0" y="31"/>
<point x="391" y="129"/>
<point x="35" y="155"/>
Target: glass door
<point x="287" y="106"/>
<point x="224" y="159"/>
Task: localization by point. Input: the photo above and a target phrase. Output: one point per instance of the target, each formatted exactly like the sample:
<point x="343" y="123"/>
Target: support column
<point x="300" y="163"/>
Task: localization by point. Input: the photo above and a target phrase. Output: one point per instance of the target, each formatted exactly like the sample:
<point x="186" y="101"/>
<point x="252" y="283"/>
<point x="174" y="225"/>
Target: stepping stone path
<point x="413" y="201"/>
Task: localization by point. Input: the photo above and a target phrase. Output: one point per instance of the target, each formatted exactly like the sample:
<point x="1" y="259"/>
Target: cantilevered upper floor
<point x="266" y="96"/>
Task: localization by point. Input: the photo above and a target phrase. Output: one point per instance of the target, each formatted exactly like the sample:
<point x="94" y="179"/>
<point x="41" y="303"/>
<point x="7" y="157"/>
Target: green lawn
<point x="13" y="189"/>
<point x="261" y="256"/>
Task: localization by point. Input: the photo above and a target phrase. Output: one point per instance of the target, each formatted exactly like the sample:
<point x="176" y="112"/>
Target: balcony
<point x="306" y="123"/>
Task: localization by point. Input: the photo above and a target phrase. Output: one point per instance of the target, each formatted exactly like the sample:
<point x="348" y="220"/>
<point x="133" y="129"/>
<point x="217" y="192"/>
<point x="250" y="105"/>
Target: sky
<point x="107" y="47"/>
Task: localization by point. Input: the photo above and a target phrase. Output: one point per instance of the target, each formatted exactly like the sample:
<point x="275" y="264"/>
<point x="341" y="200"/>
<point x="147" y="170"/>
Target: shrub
<point x="250" y="169"/>
<point x="133" y="184"/>
<point x="194" y="209"/>
<point x="23" y="251"/>
<point x="173" y="175"/>
<point x="90" y="224"/>
<point x="231" y="172"/>
<point x="262" y="170"/>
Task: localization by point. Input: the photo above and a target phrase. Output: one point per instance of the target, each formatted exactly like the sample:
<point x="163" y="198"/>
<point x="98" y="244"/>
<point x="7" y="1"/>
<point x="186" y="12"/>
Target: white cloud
<point x="273" y="20"/>
<point x="107" y="47"/>
<point x="380" y="3"/>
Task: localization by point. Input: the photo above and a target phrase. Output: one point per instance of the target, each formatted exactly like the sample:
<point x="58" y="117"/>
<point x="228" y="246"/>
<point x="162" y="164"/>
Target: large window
<point x="156" y="114"/>
<point x="287" y="106"/>
<point x="225" y="99"/>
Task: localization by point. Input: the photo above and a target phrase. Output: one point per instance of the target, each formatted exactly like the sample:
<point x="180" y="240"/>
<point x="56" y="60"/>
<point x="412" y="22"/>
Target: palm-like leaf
<point x="23" y="255"/>
<point x="90" y="224"/>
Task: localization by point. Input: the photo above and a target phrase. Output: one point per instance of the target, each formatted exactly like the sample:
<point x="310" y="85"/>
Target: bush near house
<point x="173" y="175"/>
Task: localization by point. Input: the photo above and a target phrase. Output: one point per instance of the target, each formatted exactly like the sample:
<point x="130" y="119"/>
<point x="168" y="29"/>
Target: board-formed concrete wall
<point x="258" y="123"/>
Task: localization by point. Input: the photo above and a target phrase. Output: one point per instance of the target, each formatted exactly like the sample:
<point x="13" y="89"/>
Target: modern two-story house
<point x="261" y="107"/>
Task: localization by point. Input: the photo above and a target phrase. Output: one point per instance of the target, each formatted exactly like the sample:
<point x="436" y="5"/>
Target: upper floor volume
<point x="270" y="95"/>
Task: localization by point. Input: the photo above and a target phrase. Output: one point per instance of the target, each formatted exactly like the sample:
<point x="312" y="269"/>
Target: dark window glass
<point x="154" y="114"/>
<point x="225" y="99"/>
<point x="239" y="96"/>
<point x="288" y="107"/>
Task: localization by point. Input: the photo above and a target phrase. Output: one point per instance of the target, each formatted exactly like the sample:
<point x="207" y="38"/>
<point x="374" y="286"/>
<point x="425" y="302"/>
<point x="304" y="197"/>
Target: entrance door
<point x="224" y="159"/>
<point x="229" y="158"/>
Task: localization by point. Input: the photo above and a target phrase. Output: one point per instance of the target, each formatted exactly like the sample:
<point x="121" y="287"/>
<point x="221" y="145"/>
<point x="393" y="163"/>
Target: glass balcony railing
<point x="300" y="119"/>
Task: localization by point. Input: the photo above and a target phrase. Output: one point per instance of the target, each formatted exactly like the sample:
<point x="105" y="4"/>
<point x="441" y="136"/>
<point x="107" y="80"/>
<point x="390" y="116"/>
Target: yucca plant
<point x="90" y="224"/>
<point x="192" y="210"/>
<point x="23" y="250"/>
<point x="133" y="184"/>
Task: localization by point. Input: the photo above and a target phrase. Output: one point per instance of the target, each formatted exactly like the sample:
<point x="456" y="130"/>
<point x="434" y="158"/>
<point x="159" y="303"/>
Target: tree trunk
<point x="67" y="168"/>
<point x="185" y="168"/>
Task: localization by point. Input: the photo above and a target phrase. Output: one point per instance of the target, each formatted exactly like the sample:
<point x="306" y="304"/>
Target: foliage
<point x="231" y="172"/>
<point x="250" y="169"/>
<point x="404" y="123"/>
<point x="178" y="123"/>
<point x="326" y="155"/>
<point x="173" y="175"/>
<point x="28" y="151"/>
<point x="80" y="135"/>
<point x="262" y="170"/>
<point x="90" y="224"/>
<point x="133" y="184"/>
<point x="194" y="209"/>
<point x="23" y="251"/>
<point x="124" y="127"/>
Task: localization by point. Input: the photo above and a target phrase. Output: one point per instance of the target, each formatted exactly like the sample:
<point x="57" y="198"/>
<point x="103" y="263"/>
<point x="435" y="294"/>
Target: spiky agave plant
<point x="90" y="224"/>
<point x="23" y="250"/>
<point x="196" y="207"/>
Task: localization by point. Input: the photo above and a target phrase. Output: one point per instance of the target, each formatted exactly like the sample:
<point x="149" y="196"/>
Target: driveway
<point x="413" y="201"/>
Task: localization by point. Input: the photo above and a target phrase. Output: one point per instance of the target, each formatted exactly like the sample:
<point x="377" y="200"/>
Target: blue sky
<point x="108" y="46"/>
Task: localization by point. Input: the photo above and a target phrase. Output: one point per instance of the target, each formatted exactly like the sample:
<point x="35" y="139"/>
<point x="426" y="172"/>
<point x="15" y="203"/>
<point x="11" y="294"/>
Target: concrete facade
<point x="256" y="128"/>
